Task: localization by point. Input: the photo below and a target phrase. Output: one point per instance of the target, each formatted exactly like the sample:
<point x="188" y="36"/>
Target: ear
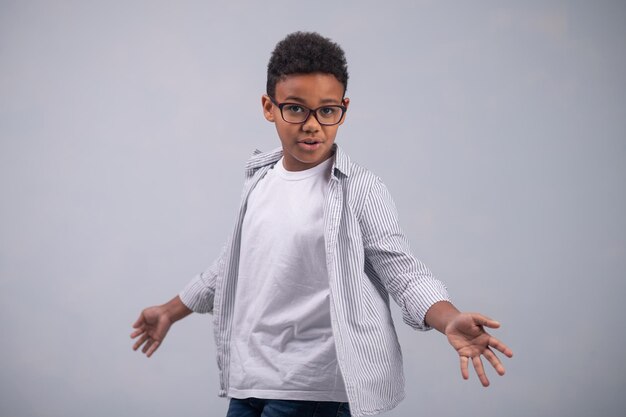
<point x="268" y="108"/>
<point x="346" y="103"/>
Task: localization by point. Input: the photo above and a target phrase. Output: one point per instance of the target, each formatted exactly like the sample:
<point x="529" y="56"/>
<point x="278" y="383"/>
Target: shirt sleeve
<point x="199" y="293"/>
<point x="408" y="280"/>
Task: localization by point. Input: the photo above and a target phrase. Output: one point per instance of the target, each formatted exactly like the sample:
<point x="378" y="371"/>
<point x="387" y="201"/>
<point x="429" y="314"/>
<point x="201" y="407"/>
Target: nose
<point x="311" y="124"/>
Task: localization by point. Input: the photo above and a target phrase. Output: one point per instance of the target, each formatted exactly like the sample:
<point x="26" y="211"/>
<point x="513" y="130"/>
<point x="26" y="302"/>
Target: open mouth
<point x="310" y="141"/>
<point x="309" y="145"/>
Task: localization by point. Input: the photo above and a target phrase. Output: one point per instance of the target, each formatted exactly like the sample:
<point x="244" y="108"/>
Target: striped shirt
<point x="367" y="257"/>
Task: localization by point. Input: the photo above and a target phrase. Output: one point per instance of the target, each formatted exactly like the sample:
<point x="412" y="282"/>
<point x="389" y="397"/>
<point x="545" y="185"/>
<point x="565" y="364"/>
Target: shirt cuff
<point x="197" y="297"/>
<point x="419" y="299"/>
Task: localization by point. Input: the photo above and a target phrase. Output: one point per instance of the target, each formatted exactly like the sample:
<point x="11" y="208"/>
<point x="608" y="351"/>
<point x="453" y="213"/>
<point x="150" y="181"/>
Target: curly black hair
<point x="305" y="53"/>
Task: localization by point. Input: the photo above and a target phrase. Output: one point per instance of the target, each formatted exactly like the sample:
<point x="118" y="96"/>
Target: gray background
<point x="499" y="127"/>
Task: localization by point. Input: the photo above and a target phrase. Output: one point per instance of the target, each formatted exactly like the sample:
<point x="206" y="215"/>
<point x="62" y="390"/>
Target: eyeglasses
<point x="297" y="113"/>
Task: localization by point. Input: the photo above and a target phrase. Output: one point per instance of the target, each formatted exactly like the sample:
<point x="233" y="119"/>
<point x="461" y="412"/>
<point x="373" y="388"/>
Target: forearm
<point x="440" y="314"/>
<point x="176" y="310"/>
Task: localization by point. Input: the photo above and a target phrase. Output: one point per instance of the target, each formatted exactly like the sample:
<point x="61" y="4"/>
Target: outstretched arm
<point x="466" y="333"/>
<point x="154" y="323"/>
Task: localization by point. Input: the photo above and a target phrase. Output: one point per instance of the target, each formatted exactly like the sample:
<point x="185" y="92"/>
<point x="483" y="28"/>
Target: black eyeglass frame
<point x="313" y="111"/>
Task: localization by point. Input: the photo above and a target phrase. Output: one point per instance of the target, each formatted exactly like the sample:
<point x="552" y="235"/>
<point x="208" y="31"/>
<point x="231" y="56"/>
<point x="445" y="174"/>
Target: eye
<point x="293" y="108"/>
<point x="328" y="111"/>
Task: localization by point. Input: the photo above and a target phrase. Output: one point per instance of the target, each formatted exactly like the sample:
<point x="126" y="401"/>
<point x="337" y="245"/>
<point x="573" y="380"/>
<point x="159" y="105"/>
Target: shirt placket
<point x="225" y="290"/>
<point x="332" y="217"/>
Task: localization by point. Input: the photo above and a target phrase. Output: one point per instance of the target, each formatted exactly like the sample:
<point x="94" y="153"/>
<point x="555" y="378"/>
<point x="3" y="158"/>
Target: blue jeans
<point x="259" y="407"/>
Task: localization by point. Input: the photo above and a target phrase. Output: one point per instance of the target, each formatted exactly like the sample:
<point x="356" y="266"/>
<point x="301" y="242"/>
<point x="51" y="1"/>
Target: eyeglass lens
<point x="327" y="115"/>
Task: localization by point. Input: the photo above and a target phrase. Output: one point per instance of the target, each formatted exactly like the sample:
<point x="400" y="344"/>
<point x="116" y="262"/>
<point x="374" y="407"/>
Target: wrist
<point x="440" y="315"/>
<point x="176" y="310"/>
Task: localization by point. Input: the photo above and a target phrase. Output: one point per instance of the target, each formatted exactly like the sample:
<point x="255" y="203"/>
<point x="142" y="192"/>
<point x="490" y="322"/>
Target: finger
<point x="464" y="367"/>
<point x="139" y="321"/>
<point x="147" y="345"/>
<point x="140" y="342"/>
<point x="153" y="348"/>
<point x="494" y="361"/>
<point x="480" y="371"/>
<point x="486" y="321"/>
<point x="496" y="344"/>
<point x="137" y="332"/>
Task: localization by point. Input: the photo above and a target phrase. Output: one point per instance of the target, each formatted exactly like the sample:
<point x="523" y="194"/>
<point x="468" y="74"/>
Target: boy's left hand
<point x="467" y="335"/>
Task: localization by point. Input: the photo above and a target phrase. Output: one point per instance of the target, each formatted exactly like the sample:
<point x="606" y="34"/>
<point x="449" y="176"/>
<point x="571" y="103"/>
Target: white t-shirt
<point x="282" y="341"/>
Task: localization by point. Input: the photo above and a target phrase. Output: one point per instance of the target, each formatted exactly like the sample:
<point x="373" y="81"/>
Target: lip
<point x="315" y="140"/>
<point x="311" y="146"/>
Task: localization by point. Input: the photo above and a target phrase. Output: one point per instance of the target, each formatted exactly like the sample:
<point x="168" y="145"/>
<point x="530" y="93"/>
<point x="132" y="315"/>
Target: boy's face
<point x="309" y="143"/>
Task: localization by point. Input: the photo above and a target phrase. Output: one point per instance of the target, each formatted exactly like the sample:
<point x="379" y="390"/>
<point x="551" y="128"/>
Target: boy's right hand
<point x="152" y="326"/>
<point x="154" y="323"/>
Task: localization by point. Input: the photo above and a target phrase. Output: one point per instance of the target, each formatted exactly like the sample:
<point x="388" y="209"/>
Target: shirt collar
<point x="342" y="162"/>
<point x="259" y="159"/>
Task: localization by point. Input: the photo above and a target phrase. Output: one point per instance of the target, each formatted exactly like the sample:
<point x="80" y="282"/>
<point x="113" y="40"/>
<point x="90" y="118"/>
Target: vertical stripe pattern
<point x="368" y="259"/>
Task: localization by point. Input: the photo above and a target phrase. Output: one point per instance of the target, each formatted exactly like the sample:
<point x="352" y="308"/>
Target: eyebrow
<point x="300" y="100"/>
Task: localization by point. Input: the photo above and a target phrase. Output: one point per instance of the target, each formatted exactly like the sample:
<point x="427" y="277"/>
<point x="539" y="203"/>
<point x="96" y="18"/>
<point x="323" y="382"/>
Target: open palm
<point x="151" y="327"/>
<point x="468" y="337"/>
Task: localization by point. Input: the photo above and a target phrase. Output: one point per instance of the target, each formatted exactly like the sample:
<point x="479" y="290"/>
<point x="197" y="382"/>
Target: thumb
<point x="139" y="321"/>
<point x="485" y="321"/>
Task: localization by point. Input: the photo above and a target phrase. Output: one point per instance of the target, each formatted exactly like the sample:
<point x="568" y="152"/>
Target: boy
<point x="300" y="293"/>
